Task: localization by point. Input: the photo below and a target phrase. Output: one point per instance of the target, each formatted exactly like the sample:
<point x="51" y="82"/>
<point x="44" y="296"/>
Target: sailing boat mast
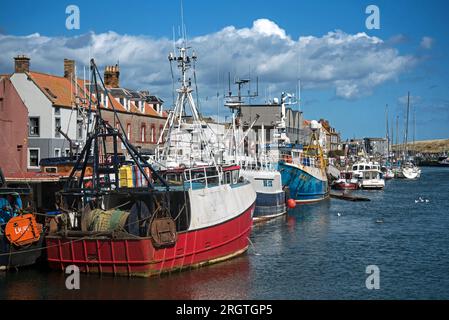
<point x="397" y="136"/>
<point x="406" y="125"/>
<point x="387" y="132"/>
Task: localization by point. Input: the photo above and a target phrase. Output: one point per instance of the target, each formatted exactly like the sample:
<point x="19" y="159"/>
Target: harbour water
<point x="318" y="251"/>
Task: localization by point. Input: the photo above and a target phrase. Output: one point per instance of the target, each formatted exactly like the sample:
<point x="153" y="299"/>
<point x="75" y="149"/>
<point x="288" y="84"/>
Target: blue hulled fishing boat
<point x="303" y="172"/>
<point x="305" y="183"/>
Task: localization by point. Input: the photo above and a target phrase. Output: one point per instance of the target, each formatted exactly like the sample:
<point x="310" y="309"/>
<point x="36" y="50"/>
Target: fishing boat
<point x="175" y="218"/>
<point x="346" y="181"/>
<point x="256" y="168"/>
<point x="372" y="179"/>
<point x="369" y="174"/>
<point x="270" y="197"/>
<point x="21" y="237"/>
<point x="304" y="172"/>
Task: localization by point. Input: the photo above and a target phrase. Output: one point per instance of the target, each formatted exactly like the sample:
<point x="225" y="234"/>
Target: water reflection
<point x="227" y="280"/>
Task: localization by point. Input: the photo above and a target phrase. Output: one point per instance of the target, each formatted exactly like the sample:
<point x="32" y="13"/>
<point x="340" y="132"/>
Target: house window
<point x="153" y="134"/>
<point x="57" y="126"/>
<point x="128" y="131"/>
<point x="33" y="127"/>
<point x="142" y="133"/>
<point x="33" y="158"/>
<point x="57" y="111"/>
<point x="79" y="129"/>
<point x="57" y="152"/>
<point x="67" y="152"/>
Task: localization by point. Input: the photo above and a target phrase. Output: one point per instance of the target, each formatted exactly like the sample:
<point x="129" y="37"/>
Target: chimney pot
<point x="112" y="76"/>
<point x="69" y="68"/>
<point x="21" y="64"/>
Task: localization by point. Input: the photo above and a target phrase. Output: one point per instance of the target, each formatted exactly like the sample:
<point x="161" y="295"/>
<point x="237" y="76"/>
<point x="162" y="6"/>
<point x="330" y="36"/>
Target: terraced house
<point x="57" y="105"/>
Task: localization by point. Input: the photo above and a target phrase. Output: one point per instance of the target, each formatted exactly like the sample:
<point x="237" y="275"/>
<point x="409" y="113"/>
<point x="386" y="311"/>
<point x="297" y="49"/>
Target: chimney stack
<point x="111" y="76"/>
<point x="21" y="64"/>
<point x="69" y="68"/>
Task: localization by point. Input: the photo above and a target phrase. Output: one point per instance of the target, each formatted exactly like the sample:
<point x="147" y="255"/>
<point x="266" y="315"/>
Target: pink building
<point x="13" y="130"/>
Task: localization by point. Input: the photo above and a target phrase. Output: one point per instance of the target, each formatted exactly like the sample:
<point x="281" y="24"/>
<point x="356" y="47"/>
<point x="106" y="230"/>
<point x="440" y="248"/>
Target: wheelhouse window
<point x="57" y="153"/>
<point x="267" y="183"/>
<point x="34" y="128"/>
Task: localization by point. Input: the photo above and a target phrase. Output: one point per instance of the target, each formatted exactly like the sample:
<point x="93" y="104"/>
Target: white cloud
<point x="427" y="42"/>
<point x="352" y="65"/>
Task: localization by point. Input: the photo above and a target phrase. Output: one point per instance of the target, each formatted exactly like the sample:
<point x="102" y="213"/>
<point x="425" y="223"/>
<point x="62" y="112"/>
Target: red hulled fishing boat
<point x="168" y="218"/>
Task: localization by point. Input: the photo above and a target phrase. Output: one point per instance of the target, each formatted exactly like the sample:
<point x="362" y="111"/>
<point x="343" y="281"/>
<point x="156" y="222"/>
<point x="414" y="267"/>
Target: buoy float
<point x="291" y="203"/>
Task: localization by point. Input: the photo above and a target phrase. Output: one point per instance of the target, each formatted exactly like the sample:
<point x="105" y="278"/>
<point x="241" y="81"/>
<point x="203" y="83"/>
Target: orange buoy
<point x="23" y="230"/>
<point x="291" y="203"/>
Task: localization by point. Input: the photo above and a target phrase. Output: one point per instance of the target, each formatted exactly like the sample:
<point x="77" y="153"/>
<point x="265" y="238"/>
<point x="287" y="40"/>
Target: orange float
<point x="291" y="203"/>
<point x="23" y="230"/>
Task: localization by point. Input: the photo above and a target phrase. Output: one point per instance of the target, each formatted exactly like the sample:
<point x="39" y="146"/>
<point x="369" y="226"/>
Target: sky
<point x="348" y="73"/>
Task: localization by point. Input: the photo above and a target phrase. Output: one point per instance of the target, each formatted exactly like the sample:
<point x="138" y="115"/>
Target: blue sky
<point x="412" y="55"/>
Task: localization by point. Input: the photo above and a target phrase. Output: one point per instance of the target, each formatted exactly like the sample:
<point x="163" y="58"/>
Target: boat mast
<point x="397" y="137"/>
<point x="406" y="125"/>
<point x="414" y="129"/>
<point x="387" y="132"/>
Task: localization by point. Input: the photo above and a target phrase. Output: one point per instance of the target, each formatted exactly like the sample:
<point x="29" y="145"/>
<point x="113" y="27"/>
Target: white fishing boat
<point x="369" y="175"/>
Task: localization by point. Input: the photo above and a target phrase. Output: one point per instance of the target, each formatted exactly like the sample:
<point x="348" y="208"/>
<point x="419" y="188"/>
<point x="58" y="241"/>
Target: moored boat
<point x="270" y="200"/>
<point x="21" y="237"/>
<point x="304" y="172"/>
<point x="372" y="179"/>
<point x="180" y="217"/>
<point x="346" y="182"/>
<point x="369" y="174"/>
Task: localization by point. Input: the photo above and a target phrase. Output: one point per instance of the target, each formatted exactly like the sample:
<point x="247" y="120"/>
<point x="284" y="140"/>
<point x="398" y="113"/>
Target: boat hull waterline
<point x="138" y="257"/>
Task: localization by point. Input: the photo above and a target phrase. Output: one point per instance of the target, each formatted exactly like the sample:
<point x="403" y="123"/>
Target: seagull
<point x="421" y="199"/>
<point x="427" y="200"/>
<point x="416" y="201"/>
<point x="339" y="214"/>
<point x="380" y="221"/>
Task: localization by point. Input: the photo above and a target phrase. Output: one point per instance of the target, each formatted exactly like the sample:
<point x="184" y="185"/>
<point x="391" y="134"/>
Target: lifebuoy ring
<point x="23" y="230"/>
